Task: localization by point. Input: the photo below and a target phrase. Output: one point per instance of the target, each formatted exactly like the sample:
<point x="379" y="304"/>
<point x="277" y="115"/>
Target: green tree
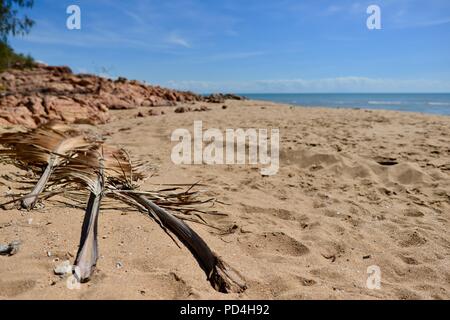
<point x="11" y="24"/>
<point x="10" y="21"/>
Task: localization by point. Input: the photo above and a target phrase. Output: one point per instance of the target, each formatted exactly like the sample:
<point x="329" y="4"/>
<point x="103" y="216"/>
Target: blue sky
<point x="251" y="45"/>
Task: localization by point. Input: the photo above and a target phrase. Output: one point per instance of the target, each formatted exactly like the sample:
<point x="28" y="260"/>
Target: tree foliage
<point x="11" y="23"/>
<point x="9" y="58"/>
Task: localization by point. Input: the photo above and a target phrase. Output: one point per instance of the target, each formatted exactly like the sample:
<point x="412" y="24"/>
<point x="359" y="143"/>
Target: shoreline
<point x="325" y="108"/>
<point x="434" y="108"/>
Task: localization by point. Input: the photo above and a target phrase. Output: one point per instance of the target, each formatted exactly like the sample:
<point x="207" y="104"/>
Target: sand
<point x="308" y="232"/>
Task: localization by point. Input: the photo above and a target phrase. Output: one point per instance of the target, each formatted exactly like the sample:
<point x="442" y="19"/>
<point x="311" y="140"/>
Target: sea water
<point x="432" y="103"/>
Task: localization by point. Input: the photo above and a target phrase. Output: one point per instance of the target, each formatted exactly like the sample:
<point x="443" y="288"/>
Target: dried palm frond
<point x="93" y="168"/>
<point x="222" y="277"/>
<point x="108" y="171"/>
<point x="87" y="168"/>
<point x="45" y="147"/>
<point x="184" y="205"/>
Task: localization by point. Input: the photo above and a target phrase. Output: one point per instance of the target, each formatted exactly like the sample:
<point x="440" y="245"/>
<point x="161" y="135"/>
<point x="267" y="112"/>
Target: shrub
<point x="8" y="58"/>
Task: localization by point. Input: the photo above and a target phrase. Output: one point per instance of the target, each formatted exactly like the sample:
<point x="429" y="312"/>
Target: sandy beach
<point x="355" y="188"/>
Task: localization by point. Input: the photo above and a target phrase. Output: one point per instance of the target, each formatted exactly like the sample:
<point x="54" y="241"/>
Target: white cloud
<point x="333" y="9"/>
<point x="235" y="55"/>
<point x="429" y="23"/>
<point x="176" y="39"/>
<point x="99" y="39"/>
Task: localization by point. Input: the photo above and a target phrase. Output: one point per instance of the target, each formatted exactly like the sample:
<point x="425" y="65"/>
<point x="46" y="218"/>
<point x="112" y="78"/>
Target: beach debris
<point x="10" y="249"/>
<point x="386" y="161"/>
<point x="331" y="257"/>
<point x="222" y="277"/>
<point x="220" y="97"/>
<point x="88" y="168"/>
<point x="182" y="109"/>
<point x="108" y="172"/>
<point x="117" y="174"/>
<point x="202" y="109"/>
<point x="63" y="268"/>
<point x="119" y="265"/>
<point x="45" y="147"/>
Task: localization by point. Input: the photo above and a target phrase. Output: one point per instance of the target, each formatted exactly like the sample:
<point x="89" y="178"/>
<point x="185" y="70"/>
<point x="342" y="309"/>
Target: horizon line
<point x="254" y="93"/>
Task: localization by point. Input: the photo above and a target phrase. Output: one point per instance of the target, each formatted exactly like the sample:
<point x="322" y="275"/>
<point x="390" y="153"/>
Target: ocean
<point x="416" y="102"/>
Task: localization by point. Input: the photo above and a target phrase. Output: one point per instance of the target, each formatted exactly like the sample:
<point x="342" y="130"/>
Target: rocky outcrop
<point x="221" y="97"/>
<point x="34" y="96"/>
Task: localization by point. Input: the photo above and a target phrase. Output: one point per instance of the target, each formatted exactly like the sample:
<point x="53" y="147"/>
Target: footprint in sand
<point x="409" y="260"/>
<point x="412" y="240"/>
<point x="306" y="282"/>
<point x="274" y="243"/>
<point x="14" y="288"/>
<point x="282" y="287"/>
<point x="305" y="158"/>
<point x="174" y="286"/>
<point x="408" y="174"/>
<point x="277" y="212"/>
<point x="413" y="212"/>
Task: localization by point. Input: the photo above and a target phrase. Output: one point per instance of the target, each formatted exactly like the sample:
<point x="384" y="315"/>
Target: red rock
<point x="59" y="69"/>
<point x="33" y="96"/>
<point x="34" y="104"/>
<point x="7" y="77"/>
<point x="182" y="110"/>
<point x="114" y="103"/>
<point x="202" y="108"/>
